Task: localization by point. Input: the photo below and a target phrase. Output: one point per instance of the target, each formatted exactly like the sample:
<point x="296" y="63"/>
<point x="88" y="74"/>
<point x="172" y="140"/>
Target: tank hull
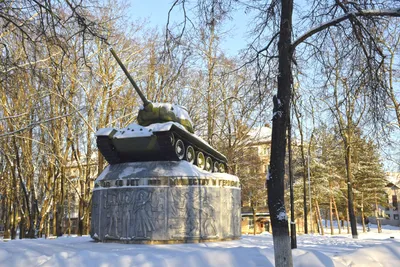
<point x="157" y="146"/>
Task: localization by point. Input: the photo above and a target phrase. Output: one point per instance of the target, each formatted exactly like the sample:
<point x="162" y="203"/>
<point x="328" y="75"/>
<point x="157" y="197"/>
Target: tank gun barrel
<point x="144" y="99"/>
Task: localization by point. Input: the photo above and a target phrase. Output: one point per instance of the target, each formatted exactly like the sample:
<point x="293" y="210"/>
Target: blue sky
<point x="156" y="13"/>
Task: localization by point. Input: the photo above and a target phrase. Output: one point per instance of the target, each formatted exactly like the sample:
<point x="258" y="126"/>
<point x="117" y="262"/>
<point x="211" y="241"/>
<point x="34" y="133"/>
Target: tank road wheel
<point x="180" y="149"/>
<point x="172" y="139"/>
<point x="216" y="167"/>
<point x="190" y="154"/>
<point x="200" y="160"/>
<point x="222" y="167"/>
<point x="209" y="164"/>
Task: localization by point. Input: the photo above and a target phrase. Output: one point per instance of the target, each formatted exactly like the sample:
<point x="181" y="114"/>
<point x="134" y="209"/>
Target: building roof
<point x="393" y="177"/>
<point x="259" y="211"/>
<point x="260" y="135"/>
<point x="392" y="185"/>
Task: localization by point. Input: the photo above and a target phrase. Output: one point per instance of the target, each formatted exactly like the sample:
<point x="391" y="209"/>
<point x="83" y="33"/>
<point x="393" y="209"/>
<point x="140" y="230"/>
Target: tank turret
<point x="157" y="112"/>
<point x="164" y="132"/>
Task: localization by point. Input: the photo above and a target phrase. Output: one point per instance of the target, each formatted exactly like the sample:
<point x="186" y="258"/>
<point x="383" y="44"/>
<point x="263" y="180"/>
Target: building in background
<point x="80" y="176"/>
<point x="390" y="215"/>
<point x="252" y="170"/>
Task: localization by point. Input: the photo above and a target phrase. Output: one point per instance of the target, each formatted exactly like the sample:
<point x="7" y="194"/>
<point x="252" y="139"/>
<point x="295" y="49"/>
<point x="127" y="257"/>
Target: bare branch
<point x="363" y="13"/>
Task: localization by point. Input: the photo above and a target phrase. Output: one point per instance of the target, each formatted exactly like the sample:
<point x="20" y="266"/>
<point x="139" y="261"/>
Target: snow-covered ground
<point x="371" y="249"/>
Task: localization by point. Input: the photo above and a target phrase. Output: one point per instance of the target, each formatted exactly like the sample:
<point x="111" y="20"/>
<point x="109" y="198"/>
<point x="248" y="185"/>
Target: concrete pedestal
<point x="164" y="202"/>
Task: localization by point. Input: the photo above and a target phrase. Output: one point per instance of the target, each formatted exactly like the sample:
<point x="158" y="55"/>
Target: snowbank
<point x="371" y="249"/>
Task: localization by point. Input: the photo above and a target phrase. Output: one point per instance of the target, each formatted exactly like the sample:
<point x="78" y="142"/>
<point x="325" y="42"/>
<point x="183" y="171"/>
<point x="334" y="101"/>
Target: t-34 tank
<point x="164" y="132"/>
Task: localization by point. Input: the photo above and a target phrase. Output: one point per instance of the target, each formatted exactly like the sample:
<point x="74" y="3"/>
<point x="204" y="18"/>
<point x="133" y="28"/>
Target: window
<point x="394" y="202"/>
<point x="251" y="223"/>
<point x="396" y="216"/>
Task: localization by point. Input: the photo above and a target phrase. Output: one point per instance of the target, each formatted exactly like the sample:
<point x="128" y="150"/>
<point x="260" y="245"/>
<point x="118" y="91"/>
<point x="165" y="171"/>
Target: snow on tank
<point x="164" y="112"/>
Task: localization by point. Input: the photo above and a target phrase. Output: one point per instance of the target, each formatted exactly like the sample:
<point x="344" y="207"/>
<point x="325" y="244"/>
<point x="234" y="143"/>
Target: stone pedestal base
<point x="164" y="202"/>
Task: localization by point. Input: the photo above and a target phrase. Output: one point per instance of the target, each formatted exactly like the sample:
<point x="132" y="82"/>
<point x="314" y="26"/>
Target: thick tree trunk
<point x="275" y="183"/>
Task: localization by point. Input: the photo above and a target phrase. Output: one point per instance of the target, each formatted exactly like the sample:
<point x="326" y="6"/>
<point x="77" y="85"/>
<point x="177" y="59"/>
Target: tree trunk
<point x="348" y="220"/>
<point x="80" y="216"/>
<point x="326" y="219"/>
<point x="254" y="218"/>
<point x="337" y="215"/>
<point x="293" y="240"/>
<point x="22" y="227"/>
<point x="69" y="210"/>
<point x="14" y="220"/>
<point x="8" y="214"/>
<point x="48" y="226"/>
<point x="331" y="215"/>
<point x="330" y="209"/>
<point x="319" y="219"/>
<point x="275" y="183"/>
<point x="303" y="158"/>
<point x="378" y="223"/>
<point x="362" y="212"/>
<point x="352" y="216"/>
<point x="60" y="205"/>
<point x="55" y="206"/>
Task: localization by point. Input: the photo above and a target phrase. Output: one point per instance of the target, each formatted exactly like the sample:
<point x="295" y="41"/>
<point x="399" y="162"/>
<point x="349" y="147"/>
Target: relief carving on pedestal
<point x="184" y="211"/>
<point x="208" y="217"/>
<point x="112" y="211"/>
<point x="142" y="213"/>
<point x="192" y="213"/>
<point x="129" y="214"/>
<point x="126" y="214"/>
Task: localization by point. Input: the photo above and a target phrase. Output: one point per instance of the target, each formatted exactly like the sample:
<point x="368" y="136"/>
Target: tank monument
<point x="163" y="183"/>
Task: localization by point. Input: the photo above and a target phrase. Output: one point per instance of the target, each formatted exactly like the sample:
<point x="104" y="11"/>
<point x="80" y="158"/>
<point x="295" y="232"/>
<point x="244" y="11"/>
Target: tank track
<point x="166" y="142"/>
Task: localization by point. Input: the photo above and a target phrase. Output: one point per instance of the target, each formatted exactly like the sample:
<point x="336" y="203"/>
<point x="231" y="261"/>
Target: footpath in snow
<point x="371" y="249"/>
